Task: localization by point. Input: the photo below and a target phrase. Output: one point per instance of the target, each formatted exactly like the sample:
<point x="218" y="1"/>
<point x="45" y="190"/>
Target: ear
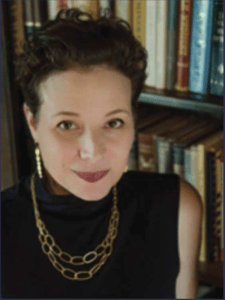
<point x="30" y="122"/>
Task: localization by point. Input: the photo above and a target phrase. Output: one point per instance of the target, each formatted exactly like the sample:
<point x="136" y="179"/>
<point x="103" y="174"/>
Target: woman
<point x="81" y="227"/>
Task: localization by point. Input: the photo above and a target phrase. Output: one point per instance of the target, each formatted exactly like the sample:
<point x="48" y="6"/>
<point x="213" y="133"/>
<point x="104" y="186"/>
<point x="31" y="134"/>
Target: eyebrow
<point x="68" y="113"/>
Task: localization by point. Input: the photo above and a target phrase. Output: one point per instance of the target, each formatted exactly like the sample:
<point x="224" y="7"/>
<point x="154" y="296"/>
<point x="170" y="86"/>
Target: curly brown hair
<point x="75" y="40"/>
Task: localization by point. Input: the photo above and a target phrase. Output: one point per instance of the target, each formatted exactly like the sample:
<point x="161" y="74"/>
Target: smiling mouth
<point x="92" y="177"/>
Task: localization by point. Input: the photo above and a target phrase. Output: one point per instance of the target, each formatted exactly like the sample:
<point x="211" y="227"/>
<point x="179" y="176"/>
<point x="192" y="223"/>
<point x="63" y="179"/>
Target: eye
<point x="116" y="124"/>
<point x="65" y="125"/>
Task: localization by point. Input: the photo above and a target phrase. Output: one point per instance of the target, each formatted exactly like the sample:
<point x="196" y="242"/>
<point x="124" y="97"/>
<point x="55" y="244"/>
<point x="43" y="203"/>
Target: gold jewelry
<point x="38" y="161"/>
<point x="126" y="169"/>
<point x="49" y="247"/>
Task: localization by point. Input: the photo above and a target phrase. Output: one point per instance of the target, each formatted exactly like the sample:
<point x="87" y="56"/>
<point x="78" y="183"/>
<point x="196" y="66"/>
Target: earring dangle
<point x="38" y="161"/>
<point x="126" y="169"/>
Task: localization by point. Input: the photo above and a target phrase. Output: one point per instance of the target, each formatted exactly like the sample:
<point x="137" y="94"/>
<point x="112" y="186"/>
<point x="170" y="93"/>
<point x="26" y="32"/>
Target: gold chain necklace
<point x="103" y="251"/>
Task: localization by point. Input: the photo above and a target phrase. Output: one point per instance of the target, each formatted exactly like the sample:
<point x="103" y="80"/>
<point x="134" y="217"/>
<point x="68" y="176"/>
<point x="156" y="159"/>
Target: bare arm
<point x="189" y="240"/>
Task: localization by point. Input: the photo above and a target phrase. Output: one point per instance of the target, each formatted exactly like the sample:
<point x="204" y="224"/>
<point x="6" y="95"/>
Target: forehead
<point x="79" y="89"/>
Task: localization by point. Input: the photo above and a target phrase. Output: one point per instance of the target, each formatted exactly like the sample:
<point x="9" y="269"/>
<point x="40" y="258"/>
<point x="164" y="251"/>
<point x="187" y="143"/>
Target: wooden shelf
<point x="208" y="104"/>
<point x="211" y="273"/>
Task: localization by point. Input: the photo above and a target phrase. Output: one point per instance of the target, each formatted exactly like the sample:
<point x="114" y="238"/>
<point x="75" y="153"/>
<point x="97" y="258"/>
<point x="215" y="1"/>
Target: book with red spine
<point x="183" y="45"/>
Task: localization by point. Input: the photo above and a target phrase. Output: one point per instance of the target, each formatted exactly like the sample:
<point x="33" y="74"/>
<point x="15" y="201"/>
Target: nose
<point x="91" y="146"/>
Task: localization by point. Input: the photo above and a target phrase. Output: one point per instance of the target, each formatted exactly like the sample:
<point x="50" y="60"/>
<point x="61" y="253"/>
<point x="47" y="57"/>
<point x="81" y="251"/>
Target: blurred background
<point x="180" y="114"/>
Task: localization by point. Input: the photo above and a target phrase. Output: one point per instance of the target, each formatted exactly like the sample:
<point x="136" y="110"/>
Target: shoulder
<point x="190" y="221"/>
<point x="189" y="240"/>
<point x="190" y="200"/>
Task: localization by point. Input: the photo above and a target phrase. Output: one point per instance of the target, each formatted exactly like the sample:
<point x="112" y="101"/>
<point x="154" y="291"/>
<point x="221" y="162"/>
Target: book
<point x="147" y="156"/>
<point x="37" y="14"/>
<point x="122" y="10"/>
<point x="222" y="206"/>
<point x="105" y="7"/>
<point x="201" y="35"/>
<point x="151" y="9"/>
<point x="178" y="150"/>
<point x="147" y="115"/>
<point x="217" y="205"/>
<point x="29" y="27"/>
<point x="161" y="44"/>
<point x="200" y="164"/>
<point x="209" y="206"/>
<point x="164" y="142"/>
<point x="171" y="42"/>
<point x="183" y="45"/>
<point x="182" y="145"/>
<point x="16" y="25"/>
<point x="194" y="170"/>
<point x="216" y="83"/>
<point x="138" y="20"/>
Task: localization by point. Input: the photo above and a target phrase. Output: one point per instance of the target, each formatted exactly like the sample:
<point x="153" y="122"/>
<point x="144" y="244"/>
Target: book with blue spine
<point x="178" y="159"/>
<point x="200" y="47"/>
<point x="217" y="61"/>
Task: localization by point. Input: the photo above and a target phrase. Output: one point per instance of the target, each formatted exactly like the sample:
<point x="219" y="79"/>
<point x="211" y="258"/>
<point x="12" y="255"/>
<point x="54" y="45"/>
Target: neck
<point x="51" y="186"/>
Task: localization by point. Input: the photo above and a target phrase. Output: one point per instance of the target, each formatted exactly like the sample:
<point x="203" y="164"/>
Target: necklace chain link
<point x="102" y="251"/>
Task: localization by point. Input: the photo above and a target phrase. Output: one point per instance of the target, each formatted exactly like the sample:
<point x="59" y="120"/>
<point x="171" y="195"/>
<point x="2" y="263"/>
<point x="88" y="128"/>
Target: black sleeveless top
<point x="144" y="262"/>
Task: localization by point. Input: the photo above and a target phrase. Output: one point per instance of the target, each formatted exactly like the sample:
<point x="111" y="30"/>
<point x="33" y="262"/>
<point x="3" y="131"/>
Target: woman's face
<point x="85" y="125"/>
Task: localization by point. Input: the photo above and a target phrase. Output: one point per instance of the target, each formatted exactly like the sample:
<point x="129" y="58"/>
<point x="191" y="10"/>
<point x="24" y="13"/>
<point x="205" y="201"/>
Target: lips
<point x="92" y="177"/>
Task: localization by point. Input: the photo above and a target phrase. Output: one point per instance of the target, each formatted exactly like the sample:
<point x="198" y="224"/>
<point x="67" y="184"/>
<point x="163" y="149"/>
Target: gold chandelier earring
<point x="38" y="161"/>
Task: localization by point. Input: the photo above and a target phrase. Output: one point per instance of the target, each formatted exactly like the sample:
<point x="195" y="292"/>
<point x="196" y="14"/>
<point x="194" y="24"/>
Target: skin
<point x="86" y="143"/>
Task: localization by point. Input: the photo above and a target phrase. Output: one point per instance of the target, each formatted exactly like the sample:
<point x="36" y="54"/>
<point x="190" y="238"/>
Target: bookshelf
<point x="209" y="104"/>
<point x="209" y="272"/>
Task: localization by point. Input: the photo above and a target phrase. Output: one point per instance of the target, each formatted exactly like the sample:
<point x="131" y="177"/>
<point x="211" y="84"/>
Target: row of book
<point x="190" y="145"/>
<point x="184" y="39"/>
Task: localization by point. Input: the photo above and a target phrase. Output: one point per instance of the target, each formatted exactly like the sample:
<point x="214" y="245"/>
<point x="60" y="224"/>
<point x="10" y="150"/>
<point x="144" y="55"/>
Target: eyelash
<point x="68" y="122"/>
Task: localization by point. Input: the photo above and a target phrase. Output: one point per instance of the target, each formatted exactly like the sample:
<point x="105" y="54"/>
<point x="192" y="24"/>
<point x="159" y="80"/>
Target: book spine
<point x="209" y="206"/>
<point x="28" y="19"/>
<point x="105" y="8"/>
<point x="193" y="179"/>
<point x="151" y="41"/>
<point x="200" y="46"/>
<point x="164" y="155"/>
<point x="146" y="153"/>
<point x="138" y="22"/>
<point x="178" y="160"/>
<point x="183" y="45"/>
<point x="52" y="9"/>
<point x="201" y="187"/>
<point x="219" y="201"/>
<point x="161" y="43"/>
<point x="222" y="232"/>
<point x="122" y="10"/>
<point x="17" y="25"/>
<point x="217" y="61"/>
<point x="217" y="209"/>
<point x="132" y="159"/>
<point x="187" y="165"/>
<point x="172" y="41"/>
<point x="37" y="14"/>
